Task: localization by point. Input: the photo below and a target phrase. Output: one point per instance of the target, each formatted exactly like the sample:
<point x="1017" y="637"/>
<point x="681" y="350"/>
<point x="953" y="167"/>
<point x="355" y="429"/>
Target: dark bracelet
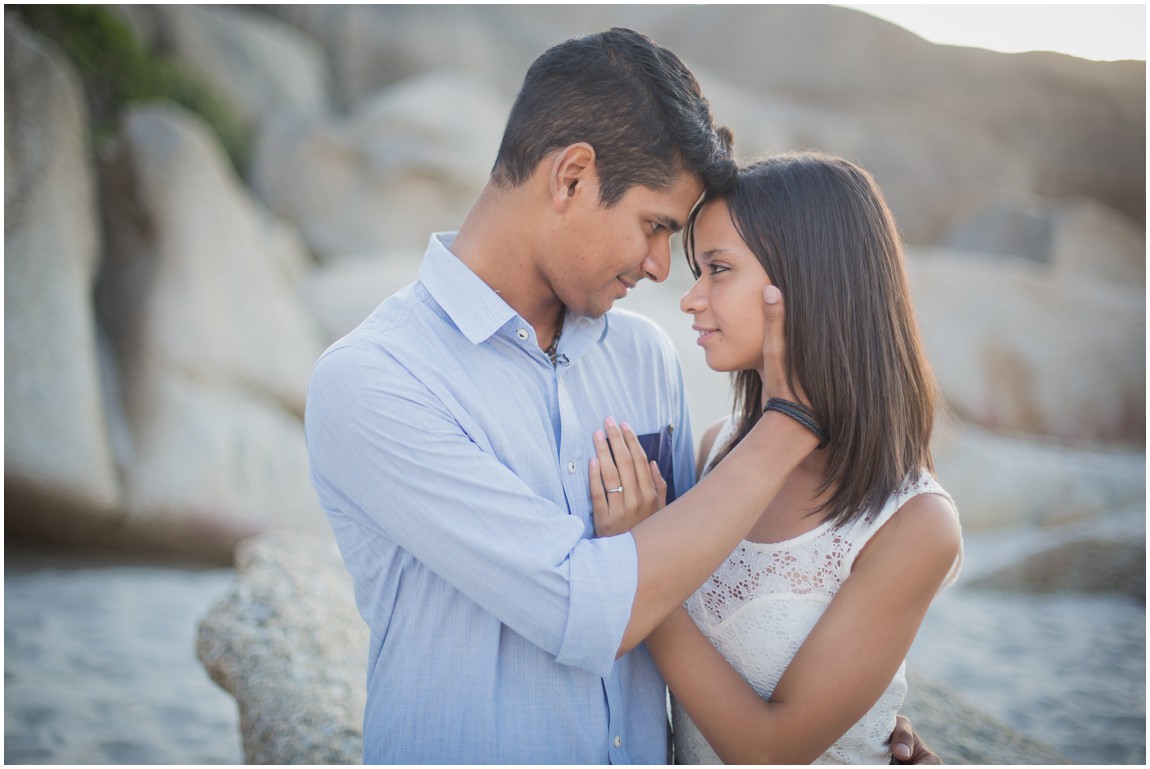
<point x="800" y="413"/>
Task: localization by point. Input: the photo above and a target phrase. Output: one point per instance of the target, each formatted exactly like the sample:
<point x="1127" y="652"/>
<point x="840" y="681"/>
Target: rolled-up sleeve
<point x="386" y="453"/>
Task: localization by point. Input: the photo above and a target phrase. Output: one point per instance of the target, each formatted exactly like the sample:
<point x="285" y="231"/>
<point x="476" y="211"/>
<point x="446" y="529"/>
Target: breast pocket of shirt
<point x="658" y="447"/>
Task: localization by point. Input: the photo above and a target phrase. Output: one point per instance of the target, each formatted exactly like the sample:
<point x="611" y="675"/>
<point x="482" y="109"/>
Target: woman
<point x="793" y="651"/>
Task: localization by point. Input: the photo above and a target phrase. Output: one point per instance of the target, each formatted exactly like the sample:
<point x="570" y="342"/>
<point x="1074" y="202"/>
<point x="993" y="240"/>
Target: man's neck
<point x="499" y="247"/>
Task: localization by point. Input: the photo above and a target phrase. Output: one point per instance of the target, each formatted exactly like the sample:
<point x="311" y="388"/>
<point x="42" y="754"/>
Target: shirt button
<point x="618" y="741"/>
<point x="521" y="333"/>
<point x="571" y="467"/>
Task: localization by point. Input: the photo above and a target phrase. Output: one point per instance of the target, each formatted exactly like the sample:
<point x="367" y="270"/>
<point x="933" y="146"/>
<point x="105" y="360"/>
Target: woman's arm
<point x="843" y="666"/>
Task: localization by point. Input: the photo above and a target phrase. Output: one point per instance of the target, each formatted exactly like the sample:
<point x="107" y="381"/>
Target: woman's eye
<point x="715" y="269"/>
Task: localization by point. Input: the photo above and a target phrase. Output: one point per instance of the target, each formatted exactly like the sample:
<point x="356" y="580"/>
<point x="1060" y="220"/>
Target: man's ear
<point x="573" y="175"/>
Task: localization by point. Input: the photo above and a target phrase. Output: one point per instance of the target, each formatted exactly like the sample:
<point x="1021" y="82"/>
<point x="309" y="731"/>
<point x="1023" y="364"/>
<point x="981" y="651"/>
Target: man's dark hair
<point x="635" y="103"/>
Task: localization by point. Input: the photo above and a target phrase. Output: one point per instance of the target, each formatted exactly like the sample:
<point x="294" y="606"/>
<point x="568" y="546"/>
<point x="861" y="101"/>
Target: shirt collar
<point x="475" y="308"/>
<point x="471" y="304"/>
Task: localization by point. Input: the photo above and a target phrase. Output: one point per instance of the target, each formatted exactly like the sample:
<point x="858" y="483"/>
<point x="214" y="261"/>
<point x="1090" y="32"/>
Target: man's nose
<point x="657" y="265"/>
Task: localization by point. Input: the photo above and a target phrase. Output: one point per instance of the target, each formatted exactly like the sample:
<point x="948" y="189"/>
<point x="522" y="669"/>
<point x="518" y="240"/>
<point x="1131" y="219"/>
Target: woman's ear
<point x="573" y="175"/>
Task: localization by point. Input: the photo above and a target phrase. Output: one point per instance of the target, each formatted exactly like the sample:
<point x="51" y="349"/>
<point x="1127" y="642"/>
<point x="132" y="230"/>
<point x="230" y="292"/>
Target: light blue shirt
<point x="451" y="458"/>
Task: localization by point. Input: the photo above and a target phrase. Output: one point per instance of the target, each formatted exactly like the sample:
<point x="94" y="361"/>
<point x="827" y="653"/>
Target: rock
<point x="1079" y="238"/>
<point x="262" y="66"/>
<point x="1017" y="347"/>
<point x="1091" y="565"/>
<point x="289" y="645"/>
<point x="341" y="294"/>
<point x="1095" y="242"/>
<point x="1000" y="481"/>
<point x="214" y="349"/>
<point x="57" y="453"/>
<point x="960" y="733"/>
<point x="404" y="166"/>
<point x="917" y="115"/>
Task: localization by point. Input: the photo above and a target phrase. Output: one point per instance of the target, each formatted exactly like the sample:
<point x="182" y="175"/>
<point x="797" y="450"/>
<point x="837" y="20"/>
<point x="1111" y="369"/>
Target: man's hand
<point x="907" y="747"/>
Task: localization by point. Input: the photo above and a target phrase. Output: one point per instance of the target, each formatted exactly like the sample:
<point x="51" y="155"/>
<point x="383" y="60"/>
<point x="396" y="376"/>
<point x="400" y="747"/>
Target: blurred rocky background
<point x="199" y="199"/>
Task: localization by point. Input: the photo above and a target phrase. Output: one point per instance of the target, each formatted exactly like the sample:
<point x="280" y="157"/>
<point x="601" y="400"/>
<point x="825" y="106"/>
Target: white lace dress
<point x="761" y="603"/>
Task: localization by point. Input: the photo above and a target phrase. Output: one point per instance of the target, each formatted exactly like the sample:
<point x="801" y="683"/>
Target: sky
<point x="1102" y="32"/>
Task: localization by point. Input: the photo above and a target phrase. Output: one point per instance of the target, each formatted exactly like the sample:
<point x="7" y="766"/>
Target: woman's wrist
<point x="800" y="414"/>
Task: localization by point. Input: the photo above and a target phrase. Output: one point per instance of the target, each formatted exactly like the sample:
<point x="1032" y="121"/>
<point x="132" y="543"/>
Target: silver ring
<point x="615" y="491"/>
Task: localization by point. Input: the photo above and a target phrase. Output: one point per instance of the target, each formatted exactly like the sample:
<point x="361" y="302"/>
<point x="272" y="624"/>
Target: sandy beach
<point x="100" y="665"/>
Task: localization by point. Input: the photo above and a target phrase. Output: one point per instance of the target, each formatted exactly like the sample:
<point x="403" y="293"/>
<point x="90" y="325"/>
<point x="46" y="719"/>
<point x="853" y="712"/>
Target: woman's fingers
<point x="600" y="510"/>
<point x="607" y="467"/>
<point x="625" y="488"/>
<point x="625" y="460"/>
<point x="775" y="380"/>
<point x="660" y="485"/>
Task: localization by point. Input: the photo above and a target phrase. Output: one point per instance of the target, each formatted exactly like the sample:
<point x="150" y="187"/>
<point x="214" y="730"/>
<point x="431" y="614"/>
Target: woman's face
<point x="727" y="299"/>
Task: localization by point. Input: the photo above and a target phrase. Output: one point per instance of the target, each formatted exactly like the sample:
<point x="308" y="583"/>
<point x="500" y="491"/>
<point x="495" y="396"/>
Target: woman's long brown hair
<point x="820" y="227"/>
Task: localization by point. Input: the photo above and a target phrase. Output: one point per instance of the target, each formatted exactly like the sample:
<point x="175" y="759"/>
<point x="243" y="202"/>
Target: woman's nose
<point x="692" y="301"/>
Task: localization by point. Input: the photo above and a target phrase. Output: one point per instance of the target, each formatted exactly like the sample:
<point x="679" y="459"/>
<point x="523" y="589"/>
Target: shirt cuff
<point x="604" y="577"/>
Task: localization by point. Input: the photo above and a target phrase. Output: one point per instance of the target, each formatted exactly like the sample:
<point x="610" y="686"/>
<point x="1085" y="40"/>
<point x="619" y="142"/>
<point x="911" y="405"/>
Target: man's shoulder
<point x="401" y="319"/>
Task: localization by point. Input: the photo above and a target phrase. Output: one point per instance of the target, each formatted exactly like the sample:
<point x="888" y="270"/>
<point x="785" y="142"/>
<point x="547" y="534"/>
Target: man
<point x="450" y="434"/>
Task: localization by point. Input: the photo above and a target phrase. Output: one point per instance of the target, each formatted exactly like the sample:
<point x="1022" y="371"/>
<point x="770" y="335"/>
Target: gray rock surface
<point x="1005" y="481"/>
<point x="404" y="165"/>
<point x="57" y="456"/>
<point x="919" y="116"/>
<point x="289" y="645"/>
<point x="1089" y="565"/>
<point x="214" y="349"/>
<point x="1077" y="237"/>
<point x="263" y="67"/>
<point x="960" y="733"/>
<point x="1016" y="346"/>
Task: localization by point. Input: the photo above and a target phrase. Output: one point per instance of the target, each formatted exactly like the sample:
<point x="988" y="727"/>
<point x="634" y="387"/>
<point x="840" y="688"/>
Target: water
<point x="1065" y="669"/>
<point x="100" y="668"/>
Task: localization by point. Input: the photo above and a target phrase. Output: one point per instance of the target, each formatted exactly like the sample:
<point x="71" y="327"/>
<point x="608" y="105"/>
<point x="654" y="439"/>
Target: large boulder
<point x="406" y="164"/>
<point x="57" y="458"/>
<point x="341" y="294"/>
<point x="1089" y="565"/>
<point x="263" y="67"/>
<point x="1005" y="481"/>
<point x="960" y="733"/>
<point x="1018" y="347"/>
<point x="213" y="347"/>
<point x="288" y="644"/>
<point x="1078" y="237"/>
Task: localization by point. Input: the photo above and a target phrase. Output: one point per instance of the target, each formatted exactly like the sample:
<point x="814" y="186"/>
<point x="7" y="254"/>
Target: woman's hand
<point x="625" y="487"/>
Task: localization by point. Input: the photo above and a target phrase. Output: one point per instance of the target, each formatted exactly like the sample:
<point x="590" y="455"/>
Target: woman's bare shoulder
<point x="706" y="443"/>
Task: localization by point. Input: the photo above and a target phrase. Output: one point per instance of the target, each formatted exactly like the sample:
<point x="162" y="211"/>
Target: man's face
<point x="601" y="253"/>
